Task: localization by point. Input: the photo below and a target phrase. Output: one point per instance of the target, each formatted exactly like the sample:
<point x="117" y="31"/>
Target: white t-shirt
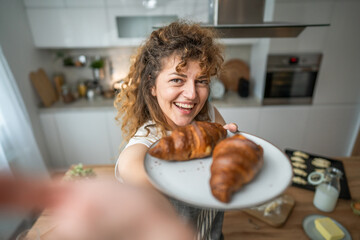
<point x="142" y="136"/>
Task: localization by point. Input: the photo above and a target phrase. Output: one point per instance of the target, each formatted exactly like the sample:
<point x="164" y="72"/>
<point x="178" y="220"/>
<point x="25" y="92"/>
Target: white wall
<point x="22" y="57"/>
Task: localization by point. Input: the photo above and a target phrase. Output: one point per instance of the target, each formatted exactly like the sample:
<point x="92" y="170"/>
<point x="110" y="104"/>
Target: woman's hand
<point x="96" y="209"/>
<point x="232" y="127"/>
<point x="108" y="210"/>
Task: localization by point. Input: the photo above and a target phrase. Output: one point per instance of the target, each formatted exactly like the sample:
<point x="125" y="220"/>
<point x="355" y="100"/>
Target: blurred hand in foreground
<point x="97" y="210"/>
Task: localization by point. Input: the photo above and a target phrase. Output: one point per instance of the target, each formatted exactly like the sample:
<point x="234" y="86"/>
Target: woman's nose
<point x="189" y="90"/>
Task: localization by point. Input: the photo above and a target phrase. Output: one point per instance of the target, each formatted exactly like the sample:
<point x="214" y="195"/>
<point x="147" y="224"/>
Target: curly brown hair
<point x="135" y="103"/>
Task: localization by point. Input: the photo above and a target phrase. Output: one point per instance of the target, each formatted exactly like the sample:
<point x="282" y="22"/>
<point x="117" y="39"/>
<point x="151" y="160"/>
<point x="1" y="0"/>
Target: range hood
<point x="245" y="19"/>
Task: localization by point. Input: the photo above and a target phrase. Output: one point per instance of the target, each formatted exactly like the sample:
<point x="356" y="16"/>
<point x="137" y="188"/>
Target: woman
<point x="167" y="87"/>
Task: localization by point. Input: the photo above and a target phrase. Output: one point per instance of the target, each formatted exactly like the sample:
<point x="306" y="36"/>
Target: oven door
<point x="289" y="86"/>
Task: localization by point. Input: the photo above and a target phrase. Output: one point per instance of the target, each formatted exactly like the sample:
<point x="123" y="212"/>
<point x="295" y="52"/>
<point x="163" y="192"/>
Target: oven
<point x="291" y="78"/>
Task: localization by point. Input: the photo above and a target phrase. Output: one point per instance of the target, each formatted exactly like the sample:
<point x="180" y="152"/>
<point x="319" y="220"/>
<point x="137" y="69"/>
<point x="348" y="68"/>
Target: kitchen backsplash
<point x="120" y="62"/>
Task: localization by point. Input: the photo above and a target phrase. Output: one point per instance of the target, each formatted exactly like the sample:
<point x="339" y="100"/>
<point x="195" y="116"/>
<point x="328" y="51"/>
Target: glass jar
<point x="81" y="88"/>
<point x="328" y="188"/>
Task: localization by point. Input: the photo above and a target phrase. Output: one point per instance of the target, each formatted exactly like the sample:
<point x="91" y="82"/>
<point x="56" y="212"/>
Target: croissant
<point x="196" y="140"/>
<point x="236" y="161"/>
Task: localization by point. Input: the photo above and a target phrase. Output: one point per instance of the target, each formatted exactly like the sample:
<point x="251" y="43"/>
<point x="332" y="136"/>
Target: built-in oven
<point x="291" y="78"/>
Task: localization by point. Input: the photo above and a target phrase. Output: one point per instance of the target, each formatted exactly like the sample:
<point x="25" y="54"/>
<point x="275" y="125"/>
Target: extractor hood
<point x="245" y="19"/>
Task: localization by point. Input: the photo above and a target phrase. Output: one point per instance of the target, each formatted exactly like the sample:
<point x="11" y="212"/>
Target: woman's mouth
<point x="185" y="106"/>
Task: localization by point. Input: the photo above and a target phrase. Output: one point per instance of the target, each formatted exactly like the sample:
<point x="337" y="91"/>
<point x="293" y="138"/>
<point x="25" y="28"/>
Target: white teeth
<point x="183" y="105"/>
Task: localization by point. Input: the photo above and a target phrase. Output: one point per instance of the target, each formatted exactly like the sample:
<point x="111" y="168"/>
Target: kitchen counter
<point x="231" y="99"/>
<point x="239" y="225"/>
<point x="81" y="104"/>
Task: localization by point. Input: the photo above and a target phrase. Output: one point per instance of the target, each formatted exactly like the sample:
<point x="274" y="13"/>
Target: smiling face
<point x="180" y="95"/>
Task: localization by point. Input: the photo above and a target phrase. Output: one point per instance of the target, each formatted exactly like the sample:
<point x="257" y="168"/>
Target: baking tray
<point x="344" y="188"/>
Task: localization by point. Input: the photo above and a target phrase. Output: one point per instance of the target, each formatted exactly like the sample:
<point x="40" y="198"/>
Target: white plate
<point x="189" y="181"/>
<point x="313" y="233"/>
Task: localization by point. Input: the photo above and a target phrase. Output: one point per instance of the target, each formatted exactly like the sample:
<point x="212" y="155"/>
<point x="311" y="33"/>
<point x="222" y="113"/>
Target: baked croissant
<point x="196" y="140"/>
<point x="236" y="161"/>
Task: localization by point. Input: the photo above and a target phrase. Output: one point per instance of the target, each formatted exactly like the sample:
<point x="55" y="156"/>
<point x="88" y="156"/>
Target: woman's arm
<point x="131" y="165"/>
<point x="232" y="127"/>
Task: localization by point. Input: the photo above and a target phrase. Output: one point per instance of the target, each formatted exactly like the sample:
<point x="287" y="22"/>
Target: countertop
<point x="230" y="99"/>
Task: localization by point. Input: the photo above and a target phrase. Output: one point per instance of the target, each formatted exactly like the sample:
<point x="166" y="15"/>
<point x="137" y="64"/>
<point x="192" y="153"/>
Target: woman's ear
<point x="153" y="91"/>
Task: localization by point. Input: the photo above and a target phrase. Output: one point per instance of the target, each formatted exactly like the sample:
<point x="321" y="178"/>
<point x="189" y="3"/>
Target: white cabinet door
<point x="44" y="4"/>
<point x="84" y="136"/>
<point x="53" y="141"/>
<point x="246" y="118"/>
<point x="283" y="126"/>
<point x="85" y="3"/>
<point x="128" y="23"/>
<point x="68" y="27"/>
<point x="115" y="135"/>
<point x="197" y="11"/>
<point x="329" y="130"/>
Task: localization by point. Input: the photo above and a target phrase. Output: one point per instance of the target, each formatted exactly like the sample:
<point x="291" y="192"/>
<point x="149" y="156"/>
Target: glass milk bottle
<point x="328" y="189"/>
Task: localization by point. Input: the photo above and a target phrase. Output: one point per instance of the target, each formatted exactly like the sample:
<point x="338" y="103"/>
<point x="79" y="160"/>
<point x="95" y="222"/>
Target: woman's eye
<point x="202" y="82"/>
<point x="176" y="80"/>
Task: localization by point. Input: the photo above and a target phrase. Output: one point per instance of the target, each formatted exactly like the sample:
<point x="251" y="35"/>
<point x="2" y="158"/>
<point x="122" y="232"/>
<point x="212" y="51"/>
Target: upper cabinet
<point x="68" y="27"/>
<point x="63" y="3"/>
<point x="130" y="22"/>
<point x="100" y="23"/>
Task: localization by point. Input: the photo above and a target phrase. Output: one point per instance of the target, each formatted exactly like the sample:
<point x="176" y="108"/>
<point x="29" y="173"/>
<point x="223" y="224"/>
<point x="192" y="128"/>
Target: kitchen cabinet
<point x="85" y="3"/>
<point x="133" y="12"/>
<point x="318" y="129"/>
<point x="330" y="130"/>
<point x="246" y="118"/>
<point x="283" y="125"/>
<point x="44" y="4"/>
<point x="337" y="81"/>
<point x="114" y="130"/>
<point x="82" y="23"/>
<point x="53" y="142"/>
<point x="68" y="27"/>
<point x="63" y="3"/>
<point x="91" y="135"/>
<point x="88" y="137"/>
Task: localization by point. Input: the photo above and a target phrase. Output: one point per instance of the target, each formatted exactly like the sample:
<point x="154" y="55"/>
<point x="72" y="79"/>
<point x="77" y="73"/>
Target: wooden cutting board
<point x="43" y="87"/>
<point x="232" y="71"/>
<point x="280" y="213"/>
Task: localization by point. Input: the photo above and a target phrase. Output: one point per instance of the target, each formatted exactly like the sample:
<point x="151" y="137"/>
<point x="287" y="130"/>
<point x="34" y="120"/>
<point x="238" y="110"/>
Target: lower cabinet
<point x="284" y="126"/>
<point x="88" y="137"/>
<point x="246" y="118"/>
<point x="94" y="137"/>
<point x="327" y="130"/>
<point x="331" y="130"/>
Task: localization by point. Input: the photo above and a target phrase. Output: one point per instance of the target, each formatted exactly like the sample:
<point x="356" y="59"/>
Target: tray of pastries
<point x="304" y="163"/>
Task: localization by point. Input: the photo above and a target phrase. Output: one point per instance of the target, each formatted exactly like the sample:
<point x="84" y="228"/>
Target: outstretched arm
<point x="96" y="209"/>
<point x="131" y="165"/>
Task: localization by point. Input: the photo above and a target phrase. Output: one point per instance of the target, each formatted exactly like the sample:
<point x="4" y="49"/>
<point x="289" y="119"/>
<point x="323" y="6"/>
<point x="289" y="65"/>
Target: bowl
<point x="355" y="205"/>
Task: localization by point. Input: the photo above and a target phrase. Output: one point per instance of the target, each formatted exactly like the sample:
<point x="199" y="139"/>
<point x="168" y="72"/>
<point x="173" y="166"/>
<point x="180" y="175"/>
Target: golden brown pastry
<point x="236" y="161"/>
<point x="196" y="140"/>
